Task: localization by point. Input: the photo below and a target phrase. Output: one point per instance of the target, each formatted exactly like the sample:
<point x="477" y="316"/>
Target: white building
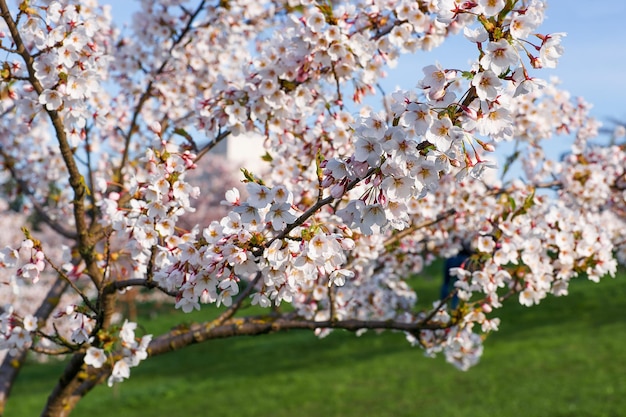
<point x="243" y="151"/>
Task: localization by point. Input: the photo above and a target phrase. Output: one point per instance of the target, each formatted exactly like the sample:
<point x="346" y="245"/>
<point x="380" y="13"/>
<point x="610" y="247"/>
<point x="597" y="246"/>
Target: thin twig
<point x="25" y="188"/>
<point x="207" y="148"/>
<point x="406" y="232"/>
<point x="238" y="301"/>
<point x="315" y="207"/>
<point x="67" y="279"/>
<point x="148" y="90"/>
<point x="135" y="282"/>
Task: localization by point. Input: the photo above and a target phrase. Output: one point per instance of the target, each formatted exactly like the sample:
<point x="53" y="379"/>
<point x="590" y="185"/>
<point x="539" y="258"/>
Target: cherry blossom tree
<point x="102" y="130"/>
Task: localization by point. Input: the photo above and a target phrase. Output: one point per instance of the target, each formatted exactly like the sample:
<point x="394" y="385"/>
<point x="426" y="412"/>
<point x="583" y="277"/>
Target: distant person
<point x="457" y="261"/>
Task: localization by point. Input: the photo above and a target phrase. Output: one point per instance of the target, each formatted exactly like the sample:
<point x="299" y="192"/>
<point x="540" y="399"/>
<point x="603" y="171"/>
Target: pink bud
<point x="156" y="127"/>
<point x="327" y="181"/>
<point x="337" y="190"/>
<point x="489" y="147"/>
<point x="382" y="198"/>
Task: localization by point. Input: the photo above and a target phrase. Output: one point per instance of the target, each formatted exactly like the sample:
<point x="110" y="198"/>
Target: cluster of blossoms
<point x="594" y="181"/>
<point x="15" y="336"/>
<point x="133" y="351"/>
<point x="461" y="347"/>
<point x="537" y="257"/>
<point x="232" y="249"/>
<point x="26" y="263"/>
<point x="28" y="277"/>
<point x="526" y="247"/>
<point x="432" y="133"/>
<point x="302" y="70"/>
<point x="31" y="268"/>
<point x="589" y="178"/>
<point x="146" y="214"/>
<point x="70" y="63"/>
<point x="67" y="53"/>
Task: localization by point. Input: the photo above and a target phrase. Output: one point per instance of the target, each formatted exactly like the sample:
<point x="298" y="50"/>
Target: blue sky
<point x="593" y="66"/>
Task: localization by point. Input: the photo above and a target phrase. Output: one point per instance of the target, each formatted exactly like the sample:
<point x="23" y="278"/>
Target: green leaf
<point x="512" y="203"/>
<point x="509" y="161"/>
<point x="529" y="201"/>
<point x="182" y="132"/>
<point x="249" y="177"/>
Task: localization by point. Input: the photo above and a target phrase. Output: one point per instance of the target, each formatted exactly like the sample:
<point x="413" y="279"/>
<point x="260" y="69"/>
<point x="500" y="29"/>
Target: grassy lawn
<point x="566" y="357"/>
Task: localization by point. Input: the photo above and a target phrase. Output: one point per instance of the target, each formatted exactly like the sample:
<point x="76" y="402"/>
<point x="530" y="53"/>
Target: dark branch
<point x="252" y="326"/>
<point x="315" y="207"/>
<point x="135" y="282"/>
<point x="207" y="148"/>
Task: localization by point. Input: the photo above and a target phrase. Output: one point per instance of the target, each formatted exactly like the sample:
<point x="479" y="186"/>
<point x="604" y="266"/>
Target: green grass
<point x="566" y="357"/>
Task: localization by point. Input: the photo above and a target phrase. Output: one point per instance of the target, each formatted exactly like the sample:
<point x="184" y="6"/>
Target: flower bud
<point x="156" y="127"/>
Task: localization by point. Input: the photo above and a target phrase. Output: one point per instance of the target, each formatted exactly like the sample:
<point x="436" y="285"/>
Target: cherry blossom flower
<point x="487" y="85"/>
<point x="51" y="99"/>
<point x="499" y="56"/>
<point x="259" y="195"/>
<point x="491" y="7"/>
<point x="280" y="215"/>
<point x="121" y="371"/>
<point x="551" y="50"/>
<point x="339" y="276"/>
<point x="95" y="357"/>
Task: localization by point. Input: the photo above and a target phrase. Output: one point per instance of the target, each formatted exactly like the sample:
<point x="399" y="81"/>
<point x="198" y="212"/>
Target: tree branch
<point x="406" y="232"/>
<point x="76" y="180"/>
<point x="62" y="399"/>
<point x="206" y="148"/>
<point x="62" y="393"/>
<point x="67" y="279"/>
<point x="252" y="326"/>
<point x="135" y="282"/>
<point x="315" y="207"/>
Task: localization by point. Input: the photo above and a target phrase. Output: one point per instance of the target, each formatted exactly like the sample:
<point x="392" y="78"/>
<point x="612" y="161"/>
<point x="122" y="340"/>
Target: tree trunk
<point x="76" y="382"/>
